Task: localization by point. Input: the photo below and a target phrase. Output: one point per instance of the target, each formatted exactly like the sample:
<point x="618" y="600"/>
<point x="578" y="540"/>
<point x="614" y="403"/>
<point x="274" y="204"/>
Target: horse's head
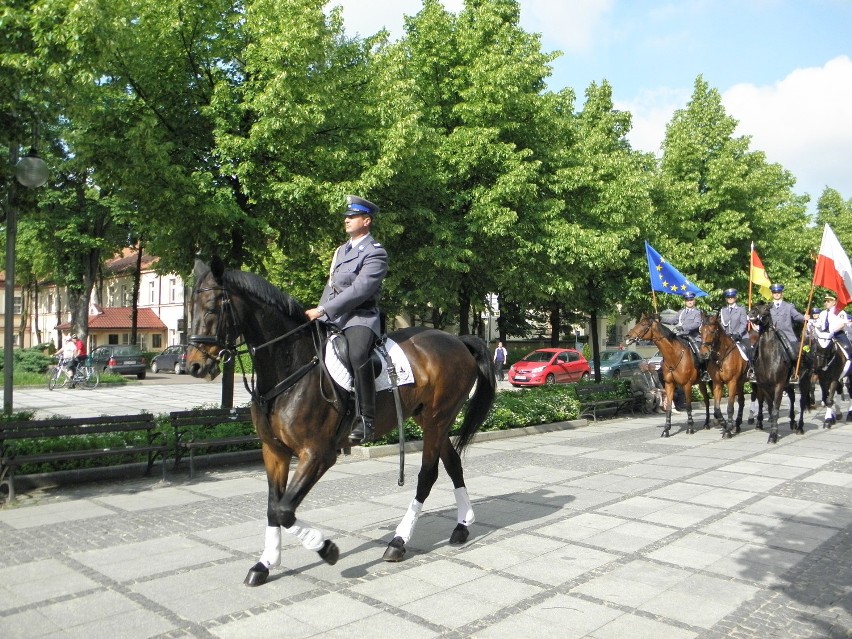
<point x="710" y="332"/>
<point x="644" y="330"/>
<point x="759" y="315"/>
<point x="214" y="330"/>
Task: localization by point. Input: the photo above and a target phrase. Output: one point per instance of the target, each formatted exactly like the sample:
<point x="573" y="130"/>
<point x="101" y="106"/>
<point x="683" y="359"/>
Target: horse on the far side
<point x="773" y="370"/>
<point x="679" y="367"/>
<point x="727" y="368"/>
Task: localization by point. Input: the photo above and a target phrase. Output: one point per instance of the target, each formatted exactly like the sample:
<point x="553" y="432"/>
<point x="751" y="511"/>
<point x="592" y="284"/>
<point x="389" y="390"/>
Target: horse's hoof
<point x="737" y="430"/>
<point x="751" y="420"/>
<point x="460" y="535"/>
<point x="726" y="435"/>
<point x="665" y="433"/>
<point x="329" y="552"/>
<point x="773" y="438"/>
<point x="707" y="426"/>
<point x="827" y="425"/>
<point x="395" y="550"/>
<point x="690" y="431"/>
<point x="758" y="427"/>
<point x="257" y="576"/>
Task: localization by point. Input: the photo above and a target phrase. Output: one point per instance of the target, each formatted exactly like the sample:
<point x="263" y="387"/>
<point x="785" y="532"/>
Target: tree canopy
<point x="237" y="128"/>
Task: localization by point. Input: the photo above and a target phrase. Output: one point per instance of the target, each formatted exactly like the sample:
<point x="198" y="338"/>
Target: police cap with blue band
<point x="359" y="206"/>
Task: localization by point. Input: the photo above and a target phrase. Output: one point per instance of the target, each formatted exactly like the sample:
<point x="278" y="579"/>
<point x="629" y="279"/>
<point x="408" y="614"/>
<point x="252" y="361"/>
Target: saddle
<point x="336" y="359"/>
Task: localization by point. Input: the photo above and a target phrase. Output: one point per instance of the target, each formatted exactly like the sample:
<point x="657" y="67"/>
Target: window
<point x="125" y="298"/>
<point x="172" y="290"/>
<point x="49" y="304"/>
<point x="111" y="297"/>
<point x="112" y="338"/>
<point x="151" y="292"/>
<point x="156" y="340"/>
<point x="18" y="304"/>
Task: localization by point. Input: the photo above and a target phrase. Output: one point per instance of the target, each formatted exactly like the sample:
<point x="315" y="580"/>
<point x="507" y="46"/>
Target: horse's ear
<point x="200" y="269"/>
<point x="217" y="266"/>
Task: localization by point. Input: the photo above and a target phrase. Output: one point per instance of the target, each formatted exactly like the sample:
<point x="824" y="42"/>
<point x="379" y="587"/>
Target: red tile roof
<point x="120" y="318"/>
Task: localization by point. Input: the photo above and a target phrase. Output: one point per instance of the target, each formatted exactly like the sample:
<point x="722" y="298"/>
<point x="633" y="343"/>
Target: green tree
<point x="715" y="197"/>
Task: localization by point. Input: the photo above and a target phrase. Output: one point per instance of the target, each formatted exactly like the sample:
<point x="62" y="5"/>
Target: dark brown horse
<point x="727" y="369"/>
<point x="299" y="411"/>
<point x="678" y="367"/>
<point x="773" y="369"/>
<point x="829" y="365"/>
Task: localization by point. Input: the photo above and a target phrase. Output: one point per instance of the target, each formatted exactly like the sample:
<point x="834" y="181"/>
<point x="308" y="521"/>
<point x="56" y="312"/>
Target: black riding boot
<point x="365" y="393"/>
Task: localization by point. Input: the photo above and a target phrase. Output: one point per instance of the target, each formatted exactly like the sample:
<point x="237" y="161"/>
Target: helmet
<point x="815" y="311"/>
<point x="689" y="295"/>
<point x="777" y="288"/>
<point x="74" y="336"/>
<point x="730" y="292"/>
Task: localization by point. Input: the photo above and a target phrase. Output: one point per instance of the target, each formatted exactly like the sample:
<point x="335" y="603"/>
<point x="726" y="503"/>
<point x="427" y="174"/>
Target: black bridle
<point x="228" y="330"/>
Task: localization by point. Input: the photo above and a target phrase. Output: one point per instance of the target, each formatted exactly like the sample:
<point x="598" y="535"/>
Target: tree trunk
<point x="464" y="312"/>
<point x="555" y="326"/>
<point x="596" y="351"/>
<point x="134" y="313"/>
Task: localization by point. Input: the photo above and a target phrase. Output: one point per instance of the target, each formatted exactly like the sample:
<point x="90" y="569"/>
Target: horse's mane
<point x="265" y="293"/>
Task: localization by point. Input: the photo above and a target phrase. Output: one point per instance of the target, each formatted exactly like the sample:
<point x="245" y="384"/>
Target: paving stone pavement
<point x="600" y="531"/>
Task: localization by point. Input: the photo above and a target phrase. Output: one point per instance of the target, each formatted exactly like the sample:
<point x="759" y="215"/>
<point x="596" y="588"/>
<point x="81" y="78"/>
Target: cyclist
<point x="67" y="356"/>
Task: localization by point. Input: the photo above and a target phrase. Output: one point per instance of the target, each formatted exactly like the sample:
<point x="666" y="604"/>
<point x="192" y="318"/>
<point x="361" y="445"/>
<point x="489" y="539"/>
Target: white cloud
<point x="366" y="17"/>
<point x="571" y="25"/>
<point x="652" y="110"/>
<point x="803" y="122"/>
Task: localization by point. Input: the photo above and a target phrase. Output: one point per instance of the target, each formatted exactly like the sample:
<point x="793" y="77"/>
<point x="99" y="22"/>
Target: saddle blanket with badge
<point x="341" y="375"/>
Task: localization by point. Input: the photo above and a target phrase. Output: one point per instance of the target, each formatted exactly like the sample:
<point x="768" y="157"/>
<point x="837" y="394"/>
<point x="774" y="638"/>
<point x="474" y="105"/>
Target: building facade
<point x="42" y="315"/>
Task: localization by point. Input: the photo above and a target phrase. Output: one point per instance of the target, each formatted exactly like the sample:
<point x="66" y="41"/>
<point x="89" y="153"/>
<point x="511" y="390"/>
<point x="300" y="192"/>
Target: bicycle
<point x="86" y="376"/>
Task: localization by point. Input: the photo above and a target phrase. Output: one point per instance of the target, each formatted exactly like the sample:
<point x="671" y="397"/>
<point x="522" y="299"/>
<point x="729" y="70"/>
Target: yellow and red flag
<point x="758" y="275"/>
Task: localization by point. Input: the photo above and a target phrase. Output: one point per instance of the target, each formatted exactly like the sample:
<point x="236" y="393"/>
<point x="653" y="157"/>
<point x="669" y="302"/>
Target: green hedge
<point x="512" y="409"/>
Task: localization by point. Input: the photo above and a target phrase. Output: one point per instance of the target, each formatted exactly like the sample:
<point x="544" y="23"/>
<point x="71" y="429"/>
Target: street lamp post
<point x="31" y="172"/>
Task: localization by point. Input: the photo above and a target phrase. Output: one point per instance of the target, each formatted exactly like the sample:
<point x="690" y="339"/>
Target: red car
<point x="549" y="366"/>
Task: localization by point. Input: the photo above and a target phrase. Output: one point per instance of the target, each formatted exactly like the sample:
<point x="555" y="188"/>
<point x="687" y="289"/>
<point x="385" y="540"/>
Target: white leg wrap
<point x="405" y="529"/>
<point x="752" y="409"/>
<point x="271" y="556"/>
<point x="466" y="516"/>
<point x="311" y="538"/>
<point x="829" y="412"/>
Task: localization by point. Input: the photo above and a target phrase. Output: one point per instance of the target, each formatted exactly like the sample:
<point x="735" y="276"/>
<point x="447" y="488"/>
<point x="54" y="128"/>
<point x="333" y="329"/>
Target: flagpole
<point x="654" y="297"/>
<point x="805" y="325"/>
<point x="750" y="273"/>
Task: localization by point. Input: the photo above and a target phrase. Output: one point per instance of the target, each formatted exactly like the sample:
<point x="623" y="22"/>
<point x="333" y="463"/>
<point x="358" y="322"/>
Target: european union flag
<point x="665" y="278"/>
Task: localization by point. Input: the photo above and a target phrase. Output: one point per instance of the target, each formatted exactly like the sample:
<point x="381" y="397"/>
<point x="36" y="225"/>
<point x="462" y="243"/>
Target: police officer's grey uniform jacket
<point x="734" y="321"/>
<point x="783" y="316"/>
<point x="351" y="297"/>
<point x="689" y="321"/>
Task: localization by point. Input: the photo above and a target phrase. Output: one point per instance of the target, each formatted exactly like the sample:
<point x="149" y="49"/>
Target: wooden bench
<point x="60" y="433"/>
<point x="191" y="425"/>
<point x="589" y="407"/>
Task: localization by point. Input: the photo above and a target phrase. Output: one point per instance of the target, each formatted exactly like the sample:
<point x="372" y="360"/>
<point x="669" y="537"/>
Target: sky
<point x="782" y="67"/>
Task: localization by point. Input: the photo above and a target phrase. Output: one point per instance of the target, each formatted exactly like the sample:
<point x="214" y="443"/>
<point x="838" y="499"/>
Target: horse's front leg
<point x="830" y="418"/>
<point x="425" y="480"/>
<point x="740" y="407"/>
<point x="774" y="414"/>
<point x="690" y="423"/>
<point x="670" y="393"/>
<point x="718" y="417"/>
<point x="277" y="468"/>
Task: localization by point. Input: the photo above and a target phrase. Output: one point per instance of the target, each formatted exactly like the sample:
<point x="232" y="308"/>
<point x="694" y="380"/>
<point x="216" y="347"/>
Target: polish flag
<point x="833" y="270"/>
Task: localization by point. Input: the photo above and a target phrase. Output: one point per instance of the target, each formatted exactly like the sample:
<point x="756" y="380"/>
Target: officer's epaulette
<point x="377" y="245"/>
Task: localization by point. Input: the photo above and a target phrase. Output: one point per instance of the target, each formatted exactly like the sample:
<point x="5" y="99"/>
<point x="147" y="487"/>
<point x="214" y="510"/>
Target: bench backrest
<point x="34" y="428"/>
<point x="209" y="416"/>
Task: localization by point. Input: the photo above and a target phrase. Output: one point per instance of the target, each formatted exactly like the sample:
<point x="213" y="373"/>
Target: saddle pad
<point x="742" y="351"/>
<point x="341" y="375"/>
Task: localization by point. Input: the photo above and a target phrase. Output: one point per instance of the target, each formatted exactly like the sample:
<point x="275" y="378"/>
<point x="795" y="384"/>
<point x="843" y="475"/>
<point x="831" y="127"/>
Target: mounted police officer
<point x="834" y="320"/>
<point x="350" y="301"/>
<point x="689" y="326"/>
<point x="734" y="322"/>
<point x="783" y="315"/>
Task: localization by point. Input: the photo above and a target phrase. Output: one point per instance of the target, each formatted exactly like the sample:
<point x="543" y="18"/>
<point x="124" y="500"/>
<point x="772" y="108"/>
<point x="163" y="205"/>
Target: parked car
<point x="171" y="359"/>
<point x="549" y="366"/>
<point x="617" y="363"/>
<point x="655" y="361"/>
<point x="120" y="360"/>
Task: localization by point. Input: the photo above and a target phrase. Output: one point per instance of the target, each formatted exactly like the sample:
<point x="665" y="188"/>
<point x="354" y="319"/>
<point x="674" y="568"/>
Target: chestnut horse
<point x="773" y="369"/>
<point x="678" y="367"/>
<point x="299" y="411"/>
<point x="727" y="369"/>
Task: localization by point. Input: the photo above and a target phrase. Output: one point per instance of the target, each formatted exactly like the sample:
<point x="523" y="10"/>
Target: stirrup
<point x="363" y="432"/>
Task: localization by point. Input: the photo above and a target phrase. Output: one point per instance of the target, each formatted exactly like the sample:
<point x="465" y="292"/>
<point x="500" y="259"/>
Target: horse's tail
<point x="480" y="404"/>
